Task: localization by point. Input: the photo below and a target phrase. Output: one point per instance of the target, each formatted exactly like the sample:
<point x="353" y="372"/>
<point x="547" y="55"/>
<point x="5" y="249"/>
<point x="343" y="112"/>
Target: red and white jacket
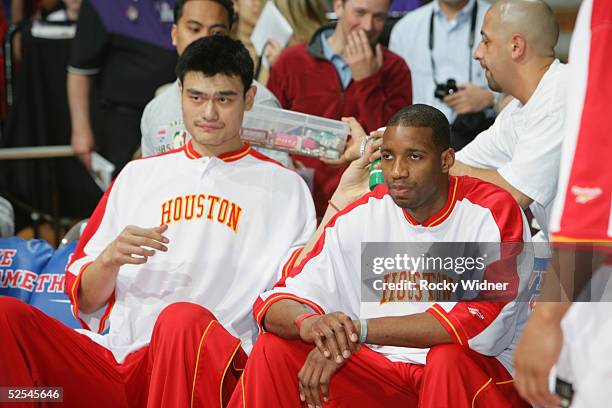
<point x="233" y="221"/>
<point x="329" y="279"/>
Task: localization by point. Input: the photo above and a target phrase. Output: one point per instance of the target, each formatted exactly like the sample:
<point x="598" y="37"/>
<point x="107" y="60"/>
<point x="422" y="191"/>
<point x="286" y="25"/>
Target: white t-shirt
<point x="162" y="125"/>
<point x="475" y="212"/>
<point x="524" y="143"/>
<point x="233" y="221"/>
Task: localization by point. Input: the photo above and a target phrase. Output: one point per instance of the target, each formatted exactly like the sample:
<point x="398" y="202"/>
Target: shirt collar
<point x="228" y="157"/>
<point x="464" y="14"/>
<point x="441" y="215"/>
<point x="328" y="52"/>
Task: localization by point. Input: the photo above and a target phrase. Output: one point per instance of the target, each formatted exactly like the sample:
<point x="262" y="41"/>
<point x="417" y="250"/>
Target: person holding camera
<point x="437" y="42"/>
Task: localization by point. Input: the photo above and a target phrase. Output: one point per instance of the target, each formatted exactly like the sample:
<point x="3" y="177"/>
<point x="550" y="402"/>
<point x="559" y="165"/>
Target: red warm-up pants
<point x="453" y="377"/>
<point x="191" y="361"/>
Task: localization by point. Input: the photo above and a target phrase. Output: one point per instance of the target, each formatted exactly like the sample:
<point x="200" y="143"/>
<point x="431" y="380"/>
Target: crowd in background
<point x="109" y="83"/>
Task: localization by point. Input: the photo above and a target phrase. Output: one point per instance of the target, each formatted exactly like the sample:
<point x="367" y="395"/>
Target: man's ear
<point x="249" y="98"/>
<point x="338" y="7"/>
<point x="173" y="34"/>
<point x="518" y="46"/>
<point x="448" y="159"/>
<point x="180" y="84"/>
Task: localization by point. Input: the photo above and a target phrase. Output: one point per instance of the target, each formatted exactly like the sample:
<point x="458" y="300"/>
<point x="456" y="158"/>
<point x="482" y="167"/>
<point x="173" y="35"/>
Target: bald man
<point x="521" y="151"/>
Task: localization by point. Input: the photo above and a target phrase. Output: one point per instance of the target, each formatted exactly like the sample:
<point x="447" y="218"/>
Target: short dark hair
<point x="227" y="4"/>
<point x="425" y="116"/>
<point x="217" y="54"/>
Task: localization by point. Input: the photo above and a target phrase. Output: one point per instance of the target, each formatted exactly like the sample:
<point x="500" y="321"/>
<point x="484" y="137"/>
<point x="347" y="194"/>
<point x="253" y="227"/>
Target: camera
<point x="444" y="89"/>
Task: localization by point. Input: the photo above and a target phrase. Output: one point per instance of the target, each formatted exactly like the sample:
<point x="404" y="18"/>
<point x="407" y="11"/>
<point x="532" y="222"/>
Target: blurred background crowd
<point x="79" y="73"/>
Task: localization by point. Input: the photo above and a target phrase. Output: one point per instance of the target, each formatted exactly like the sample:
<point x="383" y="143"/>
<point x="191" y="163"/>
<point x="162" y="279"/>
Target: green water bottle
<point x="376" y="175"/>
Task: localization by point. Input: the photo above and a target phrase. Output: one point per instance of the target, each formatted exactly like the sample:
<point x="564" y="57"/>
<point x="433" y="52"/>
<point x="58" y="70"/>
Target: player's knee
<point x="446" y="355"/>
<point x="12" y="309"/>
<point x="184" y="316"/>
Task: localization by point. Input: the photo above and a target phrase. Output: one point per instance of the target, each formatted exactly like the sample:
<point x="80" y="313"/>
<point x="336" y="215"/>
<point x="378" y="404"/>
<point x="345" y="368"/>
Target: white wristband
<point x="363" y="335"/>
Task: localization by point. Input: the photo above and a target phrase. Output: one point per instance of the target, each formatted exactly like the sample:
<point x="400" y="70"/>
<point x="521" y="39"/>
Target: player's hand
<point x="272" y="50"/>
<point x="314" y="378"/>
<point x="360" y="57"/>
<point x="82" y="141"/>
<point x="537" y="352"/>
<point x="469" y="99"/>
<point x="134" y="246"/>
<point x="334" y="334"/>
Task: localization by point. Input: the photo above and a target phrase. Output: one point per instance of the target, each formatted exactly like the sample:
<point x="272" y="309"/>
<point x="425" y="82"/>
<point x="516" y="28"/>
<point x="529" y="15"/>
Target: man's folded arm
<point x="419" y="330"/>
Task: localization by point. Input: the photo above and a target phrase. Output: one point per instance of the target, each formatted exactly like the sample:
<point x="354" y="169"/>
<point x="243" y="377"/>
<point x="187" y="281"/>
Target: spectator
<point x="343" y="72"/>
<point x="127" y="45"/>
<point x="248" y="12"/>
<point x="305" y="17"/>
<point x="226" y="217"/>
<point x="521" y="151"/>
<point x="437" y="42"/>
<point x="26" y="10"/>
<point x="162" y="121"/>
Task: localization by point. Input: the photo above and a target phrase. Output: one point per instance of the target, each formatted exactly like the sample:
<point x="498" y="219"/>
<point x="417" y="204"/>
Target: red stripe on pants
<point x="453" y="377"/>
<point x="38" y="350"/>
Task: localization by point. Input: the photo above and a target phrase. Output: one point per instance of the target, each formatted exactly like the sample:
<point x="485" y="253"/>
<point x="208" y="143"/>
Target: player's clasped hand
<point x="334" y="334"/>
<point x="314" y="378"/>
<point x="135" y="245"/>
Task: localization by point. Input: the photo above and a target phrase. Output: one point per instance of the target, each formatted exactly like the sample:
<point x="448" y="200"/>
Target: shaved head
<point x="532" y="19"/>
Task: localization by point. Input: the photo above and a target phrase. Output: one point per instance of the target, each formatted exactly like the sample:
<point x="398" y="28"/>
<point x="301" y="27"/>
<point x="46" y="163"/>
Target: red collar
<point x="226" y="157"/>
<point x="441" y="215"/>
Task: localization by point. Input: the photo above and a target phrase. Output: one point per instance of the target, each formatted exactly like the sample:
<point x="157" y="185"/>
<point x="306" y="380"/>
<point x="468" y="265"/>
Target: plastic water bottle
<point x="376" y="175"/>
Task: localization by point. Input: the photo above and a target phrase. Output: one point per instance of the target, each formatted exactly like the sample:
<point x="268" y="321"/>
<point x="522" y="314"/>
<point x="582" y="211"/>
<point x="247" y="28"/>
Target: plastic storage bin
<point x="294" y="132"/>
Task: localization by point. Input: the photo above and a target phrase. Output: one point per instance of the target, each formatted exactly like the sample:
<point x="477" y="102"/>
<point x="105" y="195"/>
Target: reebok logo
<point x="475" y="312"/>
<point x="585" y="194"/>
